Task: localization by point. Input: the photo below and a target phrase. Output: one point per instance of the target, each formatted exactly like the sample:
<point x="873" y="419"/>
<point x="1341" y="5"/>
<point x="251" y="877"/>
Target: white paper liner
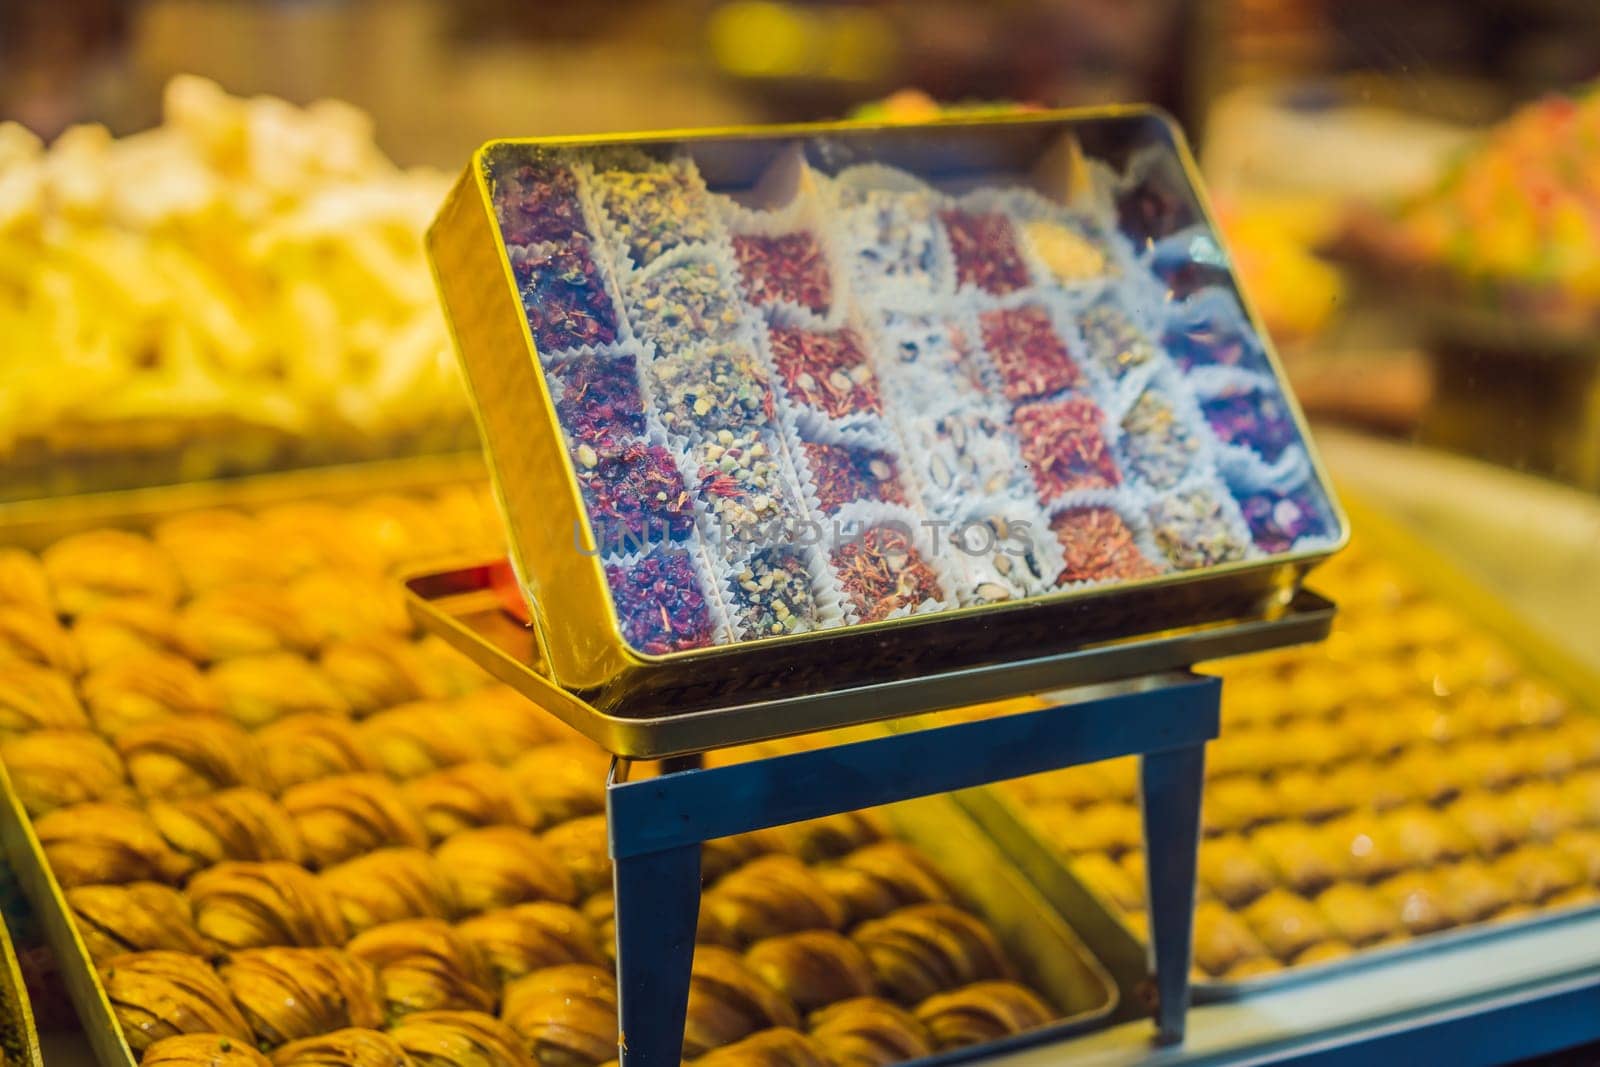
<point x="1024" y="564"/>
<point x="1233" y="520"/>
<point x="853" y="521"/>
<point x="1211" y="382"/>
<point x="1165" y="384"/>
<point x="1220" y="310"/>
<point x="864" y="197"/>
<point x="606" y="224"/>
<point x="829" y="601"/>
<point x="803" y="215"/>
<point x="705" y="577"/>
<point x="1146" y="322"/>
<point x="664" y="342"/>
<point x="608" y="279"/>
<point x="987" y="464"/>
<point x="788" y="177"/>
<point x="940" y="374"/>
<point x="1131" y="505"/>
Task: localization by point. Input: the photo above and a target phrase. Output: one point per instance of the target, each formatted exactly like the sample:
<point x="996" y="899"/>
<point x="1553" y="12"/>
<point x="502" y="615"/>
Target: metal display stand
<point x="656" y="825"/>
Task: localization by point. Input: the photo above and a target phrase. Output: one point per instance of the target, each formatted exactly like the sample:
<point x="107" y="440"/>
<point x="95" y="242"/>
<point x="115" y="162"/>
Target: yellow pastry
<point x="1304" y="795"/>
<point x="53" y="769"/>
<point x="1583" y="848"/>
<point x="1106" y="878"/>
<point x="1491" y="823"/>
<point x="1424" y="837"/>
<point x="582" y="847"/>
<point x="251" y="905"/>
<point x="243" y="620"/>
<point x="508" y="723"/>
<point x="417" y="739"/>
<point x="375" y="671"/>
<point x="723" y="854"/>
<point x="530" y="937"/>
<point x="202" y="1050"/>
<point x="235" y="824"/>
<point x="468" y="795"/>
<point x="1323" y="952"/>
<point x="1286" y="923"/>
<point x="816" y="840"/>
<point x="1365" y="853"/>
<point x="118" y="628"/>
<point x="563" y="780"/>
<point x="566" y="1015"/>
<point x="772" y="895"/>
<point x="24" y="584"/>
<point x="257" y="690"/>
<point x="306" y="747"/>
<point x="1544" y="807"/>
<point x="1301" y="861"/>
<point x="26" y="636"/>
<point x="182" y="756"/>
<point x="342" y="817"/>
<point x="1222" y="939"/>
<point x="984" y="1011"/>
<point x="869" y="1032"/>
<point x="288" y="994"/>
<point x="1231" y="805"/>
<point x="349" y="604"/>
<point x="728" y="1001"/>
<point x="1537" y="872"/>
<point x="32" y="698"/>
<point x="157" y="995"/>
<point x="778" y="1047"/>
<point x="389" y="885"/>
<point x="459" y="1039"/>
<point x="927" y="949"/>
<point x="1234" y="871"/>
<point x="114" y="920"/>
<point x="139" y="687"/>
<point x="877" y="879"/>
<point x="93" y="843"/>
<point x="1471" y="891"/>
<point x="1358" y="914"/>
<point x="426" y="965"/>
<point x="813" y="967"/>
<point x="1418" y="898"/>
<point x="218" y="547"/>
<point x="87" y="569"/>
<point x="350" y="1047"/>
<point x="498" y="866"/>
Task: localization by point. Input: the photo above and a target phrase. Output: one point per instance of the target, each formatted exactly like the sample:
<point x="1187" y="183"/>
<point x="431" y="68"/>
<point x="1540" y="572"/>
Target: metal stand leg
<point x="657" y="825"/>
<point x="1172" y="783"/>
<point x="657" y="909"/>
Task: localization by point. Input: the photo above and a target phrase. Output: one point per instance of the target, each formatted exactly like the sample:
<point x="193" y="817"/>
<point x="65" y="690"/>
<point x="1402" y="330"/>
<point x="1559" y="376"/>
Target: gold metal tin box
<point x="1128" y="167"/>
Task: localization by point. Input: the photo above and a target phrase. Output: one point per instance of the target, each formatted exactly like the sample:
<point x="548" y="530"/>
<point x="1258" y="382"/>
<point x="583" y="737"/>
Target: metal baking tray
<point x="1049" y="955"/>
<point x="1102" y="926"/>
<point x="19" y="1039"/>
<point x="36" y="523"/>
<point x="467" y="606"/>
<point x="553" y="540"/>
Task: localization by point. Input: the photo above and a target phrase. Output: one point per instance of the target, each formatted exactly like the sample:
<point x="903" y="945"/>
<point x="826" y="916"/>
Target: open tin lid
<point x="776" y="406"/>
